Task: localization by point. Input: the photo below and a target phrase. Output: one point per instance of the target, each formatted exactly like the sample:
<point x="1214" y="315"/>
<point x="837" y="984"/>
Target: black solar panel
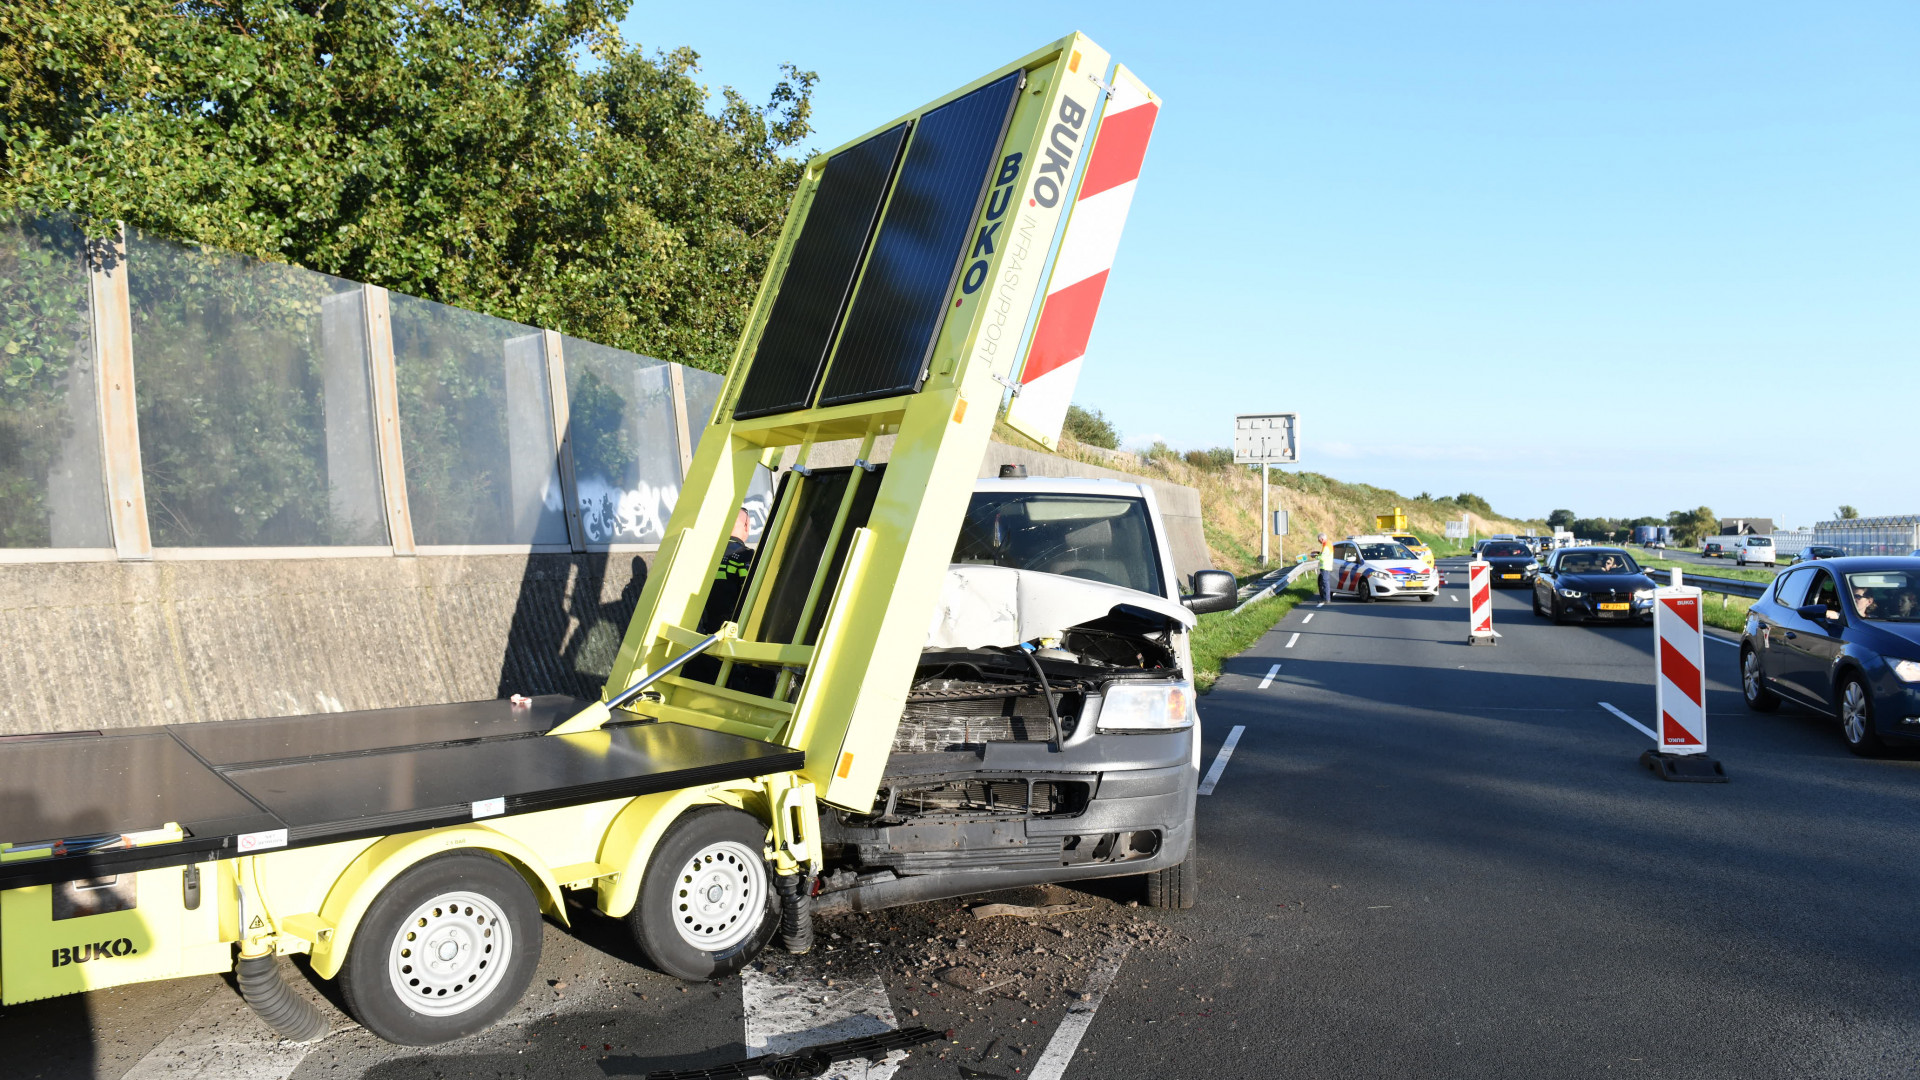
<point x="890" y="330"/>
<point x="819" y="277"/>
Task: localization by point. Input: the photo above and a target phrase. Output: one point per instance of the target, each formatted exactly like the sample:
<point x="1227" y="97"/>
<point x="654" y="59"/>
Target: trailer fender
<point x="362" y="881"/>
<point x="630" y="839"/>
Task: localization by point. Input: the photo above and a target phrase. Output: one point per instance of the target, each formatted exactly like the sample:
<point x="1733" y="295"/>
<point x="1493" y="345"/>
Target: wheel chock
<point x="1684" y="768"/>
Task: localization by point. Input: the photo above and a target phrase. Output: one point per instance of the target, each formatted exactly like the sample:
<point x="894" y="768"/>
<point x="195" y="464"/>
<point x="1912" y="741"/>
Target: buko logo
<point x="1058" y="165"/>
<point x="997" y="201"/>
<point x="96" y="950"/>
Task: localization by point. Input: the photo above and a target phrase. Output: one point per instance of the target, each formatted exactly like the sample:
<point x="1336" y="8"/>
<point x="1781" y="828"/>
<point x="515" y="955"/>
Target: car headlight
<point x="1572" y="594"/>
<point x="1908" y="670"/>
<point x="1533" y="566"/>
<point x="1643" y="594"/>
<point x="1146" y="706"/>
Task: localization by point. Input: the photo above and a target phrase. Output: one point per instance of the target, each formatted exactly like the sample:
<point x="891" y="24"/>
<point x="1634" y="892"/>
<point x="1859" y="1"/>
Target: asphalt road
<point x="1423" y="859"/>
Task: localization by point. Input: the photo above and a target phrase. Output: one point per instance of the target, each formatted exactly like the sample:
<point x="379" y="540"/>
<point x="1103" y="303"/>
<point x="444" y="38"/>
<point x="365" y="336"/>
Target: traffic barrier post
<point x="1680" y="689"/>
<point x="1480" y="603"/>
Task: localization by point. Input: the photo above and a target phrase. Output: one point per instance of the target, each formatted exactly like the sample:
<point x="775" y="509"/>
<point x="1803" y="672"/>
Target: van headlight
<point x="1146" y="706"/>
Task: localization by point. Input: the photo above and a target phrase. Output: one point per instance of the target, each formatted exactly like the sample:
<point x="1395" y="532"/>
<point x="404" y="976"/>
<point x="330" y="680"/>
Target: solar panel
<point x="819" y="277"/>
<point x="895" y="318"/>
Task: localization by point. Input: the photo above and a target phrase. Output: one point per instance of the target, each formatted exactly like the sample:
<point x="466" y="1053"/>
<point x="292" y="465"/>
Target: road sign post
<point x="1680" y="689"/>
<point x="1265" y="439"/>
<point x="1480" y="603"/>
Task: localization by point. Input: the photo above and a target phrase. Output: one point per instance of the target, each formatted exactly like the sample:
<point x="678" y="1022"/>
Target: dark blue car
<point x="1841" y="636"/>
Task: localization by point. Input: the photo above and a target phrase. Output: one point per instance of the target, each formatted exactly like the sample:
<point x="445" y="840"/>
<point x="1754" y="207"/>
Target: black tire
<point x="1363" y="591"/>
<point x="1428" y="598"/>
<point x="1559" y="615"/>
<point x="1753" y="684"/>
<point x="507" y="942"/>
<point x="1176" y="887"/>
<point x="1537" y="613"/>
<point x="1856" y="730"/>
<point x="739" y="921"/>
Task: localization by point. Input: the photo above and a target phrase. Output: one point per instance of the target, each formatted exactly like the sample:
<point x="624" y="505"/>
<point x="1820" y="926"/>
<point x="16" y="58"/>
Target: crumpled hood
<point x="989" y="606"/>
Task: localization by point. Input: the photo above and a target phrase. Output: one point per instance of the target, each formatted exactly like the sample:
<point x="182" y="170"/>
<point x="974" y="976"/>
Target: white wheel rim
<point x="1853" y="713"/>
<point x="1750" y="677"/>
<point x="719" y="895"/>
<point x="450" y="954"/>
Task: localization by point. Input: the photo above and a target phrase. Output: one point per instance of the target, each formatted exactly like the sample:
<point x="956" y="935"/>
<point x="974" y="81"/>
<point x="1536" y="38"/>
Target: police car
<point x="1380" y="567"/>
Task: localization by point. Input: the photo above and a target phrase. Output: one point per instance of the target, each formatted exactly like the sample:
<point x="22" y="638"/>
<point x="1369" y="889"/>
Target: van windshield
<point x="1102" y="538"/>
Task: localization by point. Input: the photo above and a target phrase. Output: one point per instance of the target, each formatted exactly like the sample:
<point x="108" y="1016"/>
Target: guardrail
<point x="1273" y="582"/>
<point x="1751" y="590"/>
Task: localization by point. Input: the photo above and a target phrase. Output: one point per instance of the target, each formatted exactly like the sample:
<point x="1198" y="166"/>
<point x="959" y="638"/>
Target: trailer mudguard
<point x="355" y="890"/>
<point x="629" y="841"/>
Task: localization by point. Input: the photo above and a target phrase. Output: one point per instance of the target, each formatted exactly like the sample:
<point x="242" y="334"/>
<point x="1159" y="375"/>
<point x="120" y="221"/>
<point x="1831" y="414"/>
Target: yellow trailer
<point x="411" y="853"/>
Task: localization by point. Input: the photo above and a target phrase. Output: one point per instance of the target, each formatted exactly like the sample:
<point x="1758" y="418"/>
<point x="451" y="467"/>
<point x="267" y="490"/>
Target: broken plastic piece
<point x="811" y="1061"/>
<point x="520" y="701"/>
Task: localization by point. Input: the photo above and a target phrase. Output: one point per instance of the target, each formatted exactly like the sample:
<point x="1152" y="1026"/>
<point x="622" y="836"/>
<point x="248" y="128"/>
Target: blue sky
<point x="1621" y="258"/>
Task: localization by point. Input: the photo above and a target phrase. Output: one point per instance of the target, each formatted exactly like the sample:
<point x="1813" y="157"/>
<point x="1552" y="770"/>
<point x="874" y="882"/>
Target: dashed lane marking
<point x="1066" y="1038"/>
<point x="1307" y="620"/>
<point x="788" y="1015"/>
<point x="1220" y="759"/>
<point x="1637" y="724"/>
<point x="1294" y="638"/>
<point x="1271" y="672"/>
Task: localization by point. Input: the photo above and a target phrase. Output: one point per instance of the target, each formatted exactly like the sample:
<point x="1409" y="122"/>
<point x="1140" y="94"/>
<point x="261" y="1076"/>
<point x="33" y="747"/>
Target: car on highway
<point x="1512" y="563"/>
<point x="1414" y="544"/>
<point x="1602" y="583"/>
<point x="1816" y="552"/>
<point x="1755" y="549"/>
<point x="1379" y="568"/>
<point x="1714" y="549"/>
<point x="1841" y="636"/>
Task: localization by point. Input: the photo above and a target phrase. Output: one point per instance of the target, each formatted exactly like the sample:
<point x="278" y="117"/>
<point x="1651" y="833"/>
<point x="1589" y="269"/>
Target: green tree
<point x="1090" y="427"/>
<point x="1847" y="513"/>
<point x="1560" y="519"/>
<point x="1692" y="527"/>
<point x="510" y="157"/>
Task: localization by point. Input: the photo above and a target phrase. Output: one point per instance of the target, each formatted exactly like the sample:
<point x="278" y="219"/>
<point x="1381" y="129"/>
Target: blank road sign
<point x="1266" y="438"/>
<point x="1457" y="530"/>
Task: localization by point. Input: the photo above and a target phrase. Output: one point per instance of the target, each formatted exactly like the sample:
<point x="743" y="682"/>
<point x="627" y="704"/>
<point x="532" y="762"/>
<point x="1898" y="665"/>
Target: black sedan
<point x="1511" y="563"/>
<point x="1584" y="583"/>
<point x="1816" y="552"/>
<point x="1841" y="636"/>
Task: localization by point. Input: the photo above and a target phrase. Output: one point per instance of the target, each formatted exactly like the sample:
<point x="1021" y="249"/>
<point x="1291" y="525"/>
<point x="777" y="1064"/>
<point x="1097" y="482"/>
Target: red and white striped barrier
<point x="1680" y="689"/>
<point x="1679" y="670"/>
<point x="1086" y="255"/>
<point x="1480" y="604"/>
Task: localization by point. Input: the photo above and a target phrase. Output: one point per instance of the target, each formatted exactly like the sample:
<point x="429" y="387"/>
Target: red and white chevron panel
<point x="1679" y="670"/>
<point x="1086" y="255"/>
<point x="1479" y="601"/>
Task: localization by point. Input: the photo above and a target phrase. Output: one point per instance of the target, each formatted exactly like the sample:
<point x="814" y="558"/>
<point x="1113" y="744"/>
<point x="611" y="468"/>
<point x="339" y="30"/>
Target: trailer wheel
<point x="707" y="905"/>
<point x="1177" y="886"/>
<point x="445" y="950"/>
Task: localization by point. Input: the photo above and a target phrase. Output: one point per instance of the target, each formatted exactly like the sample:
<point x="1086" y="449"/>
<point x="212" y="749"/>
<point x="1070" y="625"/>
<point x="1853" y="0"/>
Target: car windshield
<point x="1597" y="562"/>
<point x="1826" y="553"/>
<point x="1505" y="550"/>
<point x="1410" y="541"/>
<point x="1885" y="595"/>
<point x="1760" y="541"/>
<point x="1378" y="552"/>
<point x="1098" y="537"/>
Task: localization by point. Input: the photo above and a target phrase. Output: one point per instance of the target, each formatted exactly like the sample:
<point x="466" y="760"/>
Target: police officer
<point x="1326" y="568"/>
<point x="729" y="577"/>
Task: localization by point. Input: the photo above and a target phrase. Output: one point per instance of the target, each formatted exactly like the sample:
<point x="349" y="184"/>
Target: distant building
<point x="1746" y="526"/>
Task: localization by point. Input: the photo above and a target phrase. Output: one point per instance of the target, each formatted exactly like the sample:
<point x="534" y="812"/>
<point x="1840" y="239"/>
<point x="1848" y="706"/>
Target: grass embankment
<point x="1718" y="609"/>
<point x="1230" y="505"/>
<point x="1228" y="633"/>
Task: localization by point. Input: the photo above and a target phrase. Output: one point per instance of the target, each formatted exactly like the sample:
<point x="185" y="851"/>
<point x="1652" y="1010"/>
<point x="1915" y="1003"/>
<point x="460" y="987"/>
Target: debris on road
<point x="992" y="911"/>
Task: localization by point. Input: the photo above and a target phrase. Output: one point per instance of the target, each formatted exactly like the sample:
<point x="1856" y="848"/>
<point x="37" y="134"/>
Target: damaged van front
<point x="1051" y="733"/>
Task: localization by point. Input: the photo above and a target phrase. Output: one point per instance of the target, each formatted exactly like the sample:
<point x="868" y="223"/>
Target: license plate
<point x="1510" y="577"/>
<point x="1613" y="607"/>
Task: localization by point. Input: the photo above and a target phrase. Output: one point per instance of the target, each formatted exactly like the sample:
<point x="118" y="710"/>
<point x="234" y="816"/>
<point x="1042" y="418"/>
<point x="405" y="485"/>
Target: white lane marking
<point x="1271" y="672"/>
<point x="223" y="1040"/>
<point x="1220" y="759"/>
<point x="1066" y="1038"/>
<point x="1455" y="597"/>
<point x="1294" y="638"/>
<point x="1722" y="641"/>
<point x="1307" y="620"/>
<point x="784" y="1016"/>
<point x="1630" y="720"/>
<point x="1322" y="603"/>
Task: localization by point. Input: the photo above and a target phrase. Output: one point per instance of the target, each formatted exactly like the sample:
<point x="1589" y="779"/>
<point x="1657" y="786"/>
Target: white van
<point x="1755" y="549"/>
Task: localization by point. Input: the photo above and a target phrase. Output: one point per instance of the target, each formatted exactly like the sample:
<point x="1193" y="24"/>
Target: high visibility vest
<point x="1326" y="556"/>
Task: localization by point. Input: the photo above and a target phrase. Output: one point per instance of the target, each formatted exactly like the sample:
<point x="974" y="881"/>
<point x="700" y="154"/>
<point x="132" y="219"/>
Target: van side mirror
<point x="1213" y="590"/>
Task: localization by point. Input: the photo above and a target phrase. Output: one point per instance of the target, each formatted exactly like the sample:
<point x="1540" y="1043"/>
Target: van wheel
<point x="1178" y="886"/>
<point x="445" y="950"/>
<point x="707" y="905"/>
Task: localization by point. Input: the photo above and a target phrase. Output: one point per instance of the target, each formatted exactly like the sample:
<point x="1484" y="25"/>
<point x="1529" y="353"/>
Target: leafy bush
<point x="1090" y="427"/>
<point x="1220" y="457"/>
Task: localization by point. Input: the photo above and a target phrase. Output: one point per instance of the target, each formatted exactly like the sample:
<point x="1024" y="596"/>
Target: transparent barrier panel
<point x="476" y="427"/>
<point x="703" y="393"/>
<point x="52" y="485"/>
<point x="256" y="416"/>
<point x="626" y="450"/>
